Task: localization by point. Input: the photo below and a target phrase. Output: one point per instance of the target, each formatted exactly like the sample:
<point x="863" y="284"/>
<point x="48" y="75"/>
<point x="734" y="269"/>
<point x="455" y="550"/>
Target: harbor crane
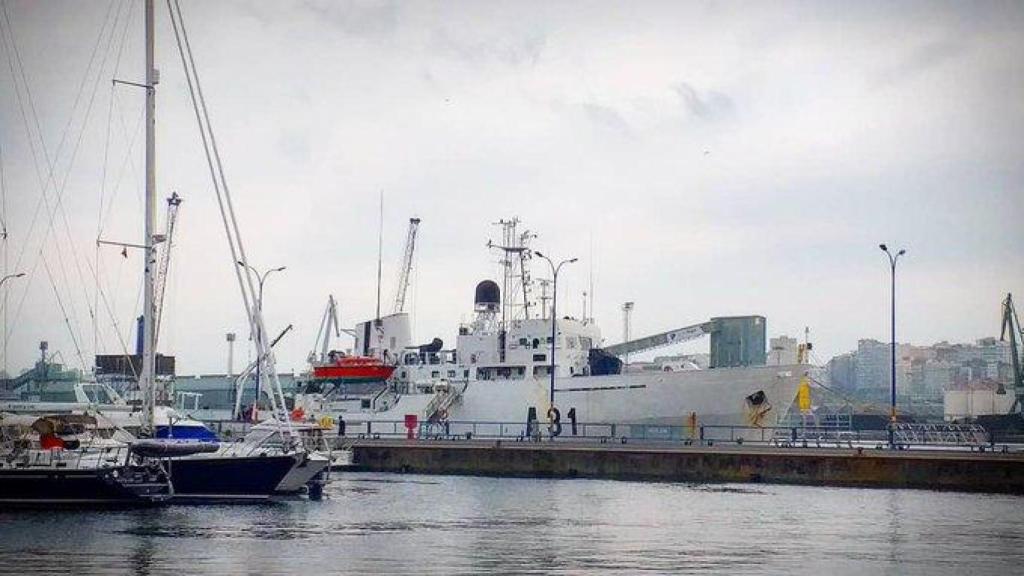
<point x="406" y="269"/>
<point x="1011" y="326"/>
<point x="160" y="280"/>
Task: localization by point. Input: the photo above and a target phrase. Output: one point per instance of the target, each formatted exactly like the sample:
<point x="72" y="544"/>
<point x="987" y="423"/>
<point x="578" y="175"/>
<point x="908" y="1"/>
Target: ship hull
<point x="228" y="478"/>
<point x="747" y="398"/>
<point x="35" y="487"/>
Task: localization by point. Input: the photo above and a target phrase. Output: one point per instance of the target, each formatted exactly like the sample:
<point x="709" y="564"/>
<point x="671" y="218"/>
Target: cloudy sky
<point x="700" y="158"/>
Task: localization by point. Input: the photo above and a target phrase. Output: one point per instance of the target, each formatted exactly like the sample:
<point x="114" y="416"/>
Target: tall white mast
<point x="147" y="379"/>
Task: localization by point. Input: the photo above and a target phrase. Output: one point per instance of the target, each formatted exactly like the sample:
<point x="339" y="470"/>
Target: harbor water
<point x="411" y="524"/>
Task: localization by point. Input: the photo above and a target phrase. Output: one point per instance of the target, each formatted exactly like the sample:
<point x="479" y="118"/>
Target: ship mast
<point x="147" y="378"/>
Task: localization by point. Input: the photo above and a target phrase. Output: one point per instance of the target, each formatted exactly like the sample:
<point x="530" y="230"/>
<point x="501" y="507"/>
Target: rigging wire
<point x="64" y="312"/>
<point x="248" y="289"/>
<point x="3" y="238"/>
<point x="52" y="165"/>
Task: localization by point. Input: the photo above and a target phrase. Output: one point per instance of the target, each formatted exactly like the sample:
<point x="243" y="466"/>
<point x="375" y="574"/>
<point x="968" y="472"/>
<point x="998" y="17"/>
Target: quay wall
<point x="928" y="469"/>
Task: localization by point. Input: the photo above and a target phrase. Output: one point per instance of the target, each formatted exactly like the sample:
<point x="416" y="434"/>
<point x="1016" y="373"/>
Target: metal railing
<point x="87" y="457"/>
<point x="700" y="435"/>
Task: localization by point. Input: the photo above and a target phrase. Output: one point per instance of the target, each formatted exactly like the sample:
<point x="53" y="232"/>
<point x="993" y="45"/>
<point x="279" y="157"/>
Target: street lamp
<point x="259" y="311"/>
<point x="9" y="276"/>
<point x="554" y="317"/>
<point x="892" y="412"/>
<point x="2" y="280"/>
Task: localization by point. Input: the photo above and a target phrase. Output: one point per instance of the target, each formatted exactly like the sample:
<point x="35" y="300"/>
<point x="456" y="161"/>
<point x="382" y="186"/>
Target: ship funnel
<point x="488" y="297"/>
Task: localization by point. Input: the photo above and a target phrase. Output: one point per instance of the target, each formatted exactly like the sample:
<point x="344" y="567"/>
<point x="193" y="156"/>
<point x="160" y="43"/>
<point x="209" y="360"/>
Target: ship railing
<point x="697" y="435"/>
<point x="87" y="457"/>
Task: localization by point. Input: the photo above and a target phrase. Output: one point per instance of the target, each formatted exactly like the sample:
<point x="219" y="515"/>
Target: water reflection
<point x="446" y="525"/>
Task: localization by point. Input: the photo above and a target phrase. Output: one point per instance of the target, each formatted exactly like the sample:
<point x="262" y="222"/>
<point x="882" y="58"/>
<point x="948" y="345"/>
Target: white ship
<point x="499" y="371"/>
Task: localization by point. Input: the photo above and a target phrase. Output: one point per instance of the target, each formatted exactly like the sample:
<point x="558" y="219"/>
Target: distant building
<point x="842" y="372"/>
<point x="782" y="350"/>
<point x="923" y="373"/>
<point x="874" y="369"/>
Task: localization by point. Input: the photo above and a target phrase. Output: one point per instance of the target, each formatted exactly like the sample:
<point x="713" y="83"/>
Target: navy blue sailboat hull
<point x="36" y="487"/>
<point x="227" y="478"/>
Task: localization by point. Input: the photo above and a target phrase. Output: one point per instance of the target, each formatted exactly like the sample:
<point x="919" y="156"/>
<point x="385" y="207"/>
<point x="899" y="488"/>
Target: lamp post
<point x="2" y="281"/>
<point x="259" y="342"/>
<point x="893" y="258"/>
<point x="9" y="276"/>
<point x="554" y="317"/>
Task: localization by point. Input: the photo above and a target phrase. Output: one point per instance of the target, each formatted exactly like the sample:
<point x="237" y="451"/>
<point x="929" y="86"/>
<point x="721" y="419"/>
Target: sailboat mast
<point x="147" y="379"/>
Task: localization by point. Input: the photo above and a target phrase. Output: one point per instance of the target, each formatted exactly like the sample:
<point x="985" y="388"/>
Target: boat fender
<point x="555" y="419"/>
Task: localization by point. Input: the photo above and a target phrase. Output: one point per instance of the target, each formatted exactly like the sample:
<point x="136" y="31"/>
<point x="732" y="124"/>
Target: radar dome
<point x="488" y="297"/>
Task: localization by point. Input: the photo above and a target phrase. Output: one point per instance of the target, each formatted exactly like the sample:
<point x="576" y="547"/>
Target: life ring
<point x="326" y="422"/>
<point x="298" y="414"/>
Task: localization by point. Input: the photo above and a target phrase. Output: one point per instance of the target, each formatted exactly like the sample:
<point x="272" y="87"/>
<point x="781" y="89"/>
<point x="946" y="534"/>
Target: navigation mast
<point x="147" y="378"/>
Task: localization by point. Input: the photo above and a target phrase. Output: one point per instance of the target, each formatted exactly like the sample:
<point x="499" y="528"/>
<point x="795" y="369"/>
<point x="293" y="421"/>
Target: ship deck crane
<point x="659" y="340"/>
<point x="406" y="268"/>
<point x="328" y="324"/>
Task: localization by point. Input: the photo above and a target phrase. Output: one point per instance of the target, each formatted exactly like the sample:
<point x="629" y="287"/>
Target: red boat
<point x="354" y="369"/>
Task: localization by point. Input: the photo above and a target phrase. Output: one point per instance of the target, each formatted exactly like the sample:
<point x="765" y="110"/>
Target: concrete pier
<point x="867" y="467"/>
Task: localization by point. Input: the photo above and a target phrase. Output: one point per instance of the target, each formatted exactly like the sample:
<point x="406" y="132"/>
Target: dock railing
<point x="908" y="437"/>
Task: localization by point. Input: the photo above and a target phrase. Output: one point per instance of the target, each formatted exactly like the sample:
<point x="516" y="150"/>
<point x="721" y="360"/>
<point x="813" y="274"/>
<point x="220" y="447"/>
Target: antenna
<point x="591" y="263"/>
<point x="380" y="251"/>
<point x="627" y="316"/>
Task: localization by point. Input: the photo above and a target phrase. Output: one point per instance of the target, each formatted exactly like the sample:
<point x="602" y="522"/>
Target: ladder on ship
<point x="445" y="398"/>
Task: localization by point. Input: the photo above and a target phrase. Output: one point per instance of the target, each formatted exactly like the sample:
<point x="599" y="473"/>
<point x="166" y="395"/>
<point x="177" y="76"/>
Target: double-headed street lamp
<point x="2" y="280"/>
<point x="9" y="276"/>
<point x="892" y="412"/>
<point x="554" y="317"/>
<point x="259" y="310"/>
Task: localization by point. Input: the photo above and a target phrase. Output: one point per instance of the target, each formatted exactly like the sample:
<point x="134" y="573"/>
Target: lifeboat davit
<point x="350" y="369"/>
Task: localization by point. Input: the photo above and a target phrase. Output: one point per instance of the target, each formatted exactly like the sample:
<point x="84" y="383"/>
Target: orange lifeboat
<point x="353" y="369"/>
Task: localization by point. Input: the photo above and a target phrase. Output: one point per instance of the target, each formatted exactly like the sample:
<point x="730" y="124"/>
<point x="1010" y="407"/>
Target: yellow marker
<point x="803" y="395"/>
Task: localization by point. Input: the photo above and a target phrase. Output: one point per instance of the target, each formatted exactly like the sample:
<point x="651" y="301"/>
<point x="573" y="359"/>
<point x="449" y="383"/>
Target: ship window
<point x="465" y="373"/>
<point x="540" y="357"/>
<point x="524" y="342"/>
<point x="548" y="339"/>
<point x="97" y="394"/>
<point x="435" y="374"/>
<point x="451" y="373"/>
<point x="536" y="342"/>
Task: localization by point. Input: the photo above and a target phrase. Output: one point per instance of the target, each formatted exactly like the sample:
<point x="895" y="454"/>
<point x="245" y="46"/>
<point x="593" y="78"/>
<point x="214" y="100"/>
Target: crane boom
<point x="658" y="340"/>
<point x="406" y="268"/>
<point x="160" y="281"/>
